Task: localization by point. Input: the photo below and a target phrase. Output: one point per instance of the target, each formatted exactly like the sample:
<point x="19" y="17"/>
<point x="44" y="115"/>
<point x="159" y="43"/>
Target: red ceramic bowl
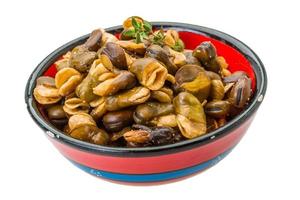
<point x="162" y="163"/>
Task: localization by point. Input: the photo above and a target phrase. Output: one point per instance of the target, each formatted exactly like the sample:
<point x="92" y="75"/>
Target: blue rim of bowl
<point x="250" y="55"/>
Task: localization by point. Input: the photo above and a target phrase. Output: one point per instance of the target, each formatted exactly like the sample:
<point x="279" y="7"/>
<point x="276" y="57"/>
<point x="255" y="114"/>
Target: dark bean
<point x="117" y="120"/>
<point x="57" y="116"/>
<point x="56" y="112"/>
<point x="157" y="135"/>
<point x="116" y="55"/>
<point x="205" y="52"/>
<point x="234" y="77"/>
<point x="217" y="108"/>
<point x="93" y="43"/>
<point x="59" y="123"/>
<point x="241" y="92"/>
<point x="162" y="135"/>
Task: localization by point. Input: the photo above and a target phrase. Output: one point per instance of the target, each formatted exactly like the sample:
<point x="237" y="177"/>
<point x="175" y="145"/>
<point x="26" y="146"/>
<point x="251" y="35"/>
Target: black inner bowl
<point x="260" y="89"/>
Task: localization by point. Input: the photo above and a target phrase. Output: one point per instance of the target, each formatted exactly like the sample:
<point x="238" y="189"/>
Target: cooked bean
<point x="93" y="43"/>
<point x="241" y="92"/>
<point x="217" y="108"/>
<point x="117" y="120"/>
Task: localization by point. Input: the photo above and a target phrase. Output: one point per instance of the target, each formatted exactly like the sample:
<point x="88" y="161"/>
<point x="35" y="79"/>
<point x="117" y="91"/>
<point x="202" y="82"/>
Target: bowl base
<point x="152" y="179"/>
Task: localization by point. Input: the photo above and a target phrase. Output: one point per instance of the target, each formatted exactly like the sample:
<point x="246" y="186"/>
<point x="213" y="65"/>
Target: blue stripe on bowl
<point x="153" y="177"/>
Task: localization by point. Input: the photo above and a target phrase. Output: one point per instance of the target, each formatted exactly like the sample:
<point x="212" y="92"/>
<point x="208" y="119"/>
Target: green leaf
<point x="158" y="37"/>
<point x="147" y="26"/>
<point x="139" y="38"/>
<point x="141" y="29"/>
<point x="134" y="23"/>
<point x="179" y="45"/>
<point x="128" y="33"/>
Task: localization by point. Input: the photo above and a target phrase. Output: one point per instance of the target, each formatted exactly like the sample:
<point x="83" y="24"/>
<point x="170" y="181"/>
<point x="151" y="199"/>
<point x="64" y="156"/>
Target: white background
<point x="265" y="165"/>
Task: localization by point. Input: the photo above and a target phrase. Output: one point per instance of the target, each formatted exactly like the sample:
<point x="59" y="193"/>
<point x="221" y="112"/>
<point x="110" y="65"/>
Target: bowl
<point x="160" y="163"/>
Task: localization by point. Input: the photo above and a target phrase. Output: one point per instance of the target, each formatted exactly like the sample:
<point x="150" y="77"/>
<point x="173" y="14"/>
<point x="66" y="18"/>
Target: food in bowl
<point x="153" y="164"/>
<point x="141" y="88"/>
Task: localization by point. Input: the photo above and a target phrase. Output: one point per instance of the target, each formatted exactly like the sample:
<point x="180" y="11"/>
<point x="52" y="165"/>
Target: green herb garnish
<point x="141" y="30"/>
<point x="179" y="45"/>
<point x="158" y="37"/>
<point x="129" y="33"/>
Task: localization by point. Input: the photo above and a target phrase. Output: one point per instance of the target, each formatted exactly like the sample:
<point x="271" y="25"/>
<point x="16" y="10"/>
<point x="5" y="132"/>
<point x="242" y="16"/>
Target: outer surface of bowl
<point x="171" y="161"/>
<point x="154" y="168"/>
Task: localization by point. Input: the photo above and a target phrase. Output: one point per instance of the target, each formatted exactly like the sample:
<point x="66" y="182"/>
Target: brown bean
<point x="241" y="92"/>
<point x="56" y="112"/>
<point x="116" y="55"/>
<point x="154" y="135"/>
<point x="234" y="77"/>
<point x="57" y="116"/>
<point x="93" y="43"/>
<point x="205" y="52"/>
<point x="117" y="120"/>
<point x="217" y="108"/>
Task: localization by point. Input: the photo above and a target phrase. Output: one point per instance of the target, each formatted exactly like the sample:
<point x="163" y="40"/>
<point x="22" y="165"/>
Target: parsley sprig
<point x="179" y="45"/>
<point x="158" y="37"/>
<point x="140" y="30"/>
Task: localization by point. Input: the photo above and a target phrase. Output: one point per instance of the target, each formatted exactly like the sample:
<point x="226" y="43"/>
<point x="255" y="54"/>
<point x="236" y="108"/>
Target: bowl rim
<point x="248" y="53"/>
